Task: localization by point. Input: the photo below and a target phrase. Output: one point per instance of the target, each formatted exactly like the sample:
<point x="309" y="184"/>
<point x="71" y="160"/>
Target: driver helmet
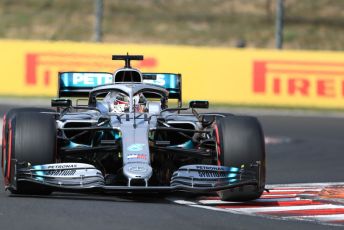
<point x="120" y="104"/>
<point x="140" y="103"/>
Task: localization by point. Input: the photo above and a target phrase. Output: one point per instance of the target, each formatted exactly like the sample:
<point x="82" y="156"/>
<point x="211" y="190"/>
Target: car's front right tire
<point x="30" y="137"/>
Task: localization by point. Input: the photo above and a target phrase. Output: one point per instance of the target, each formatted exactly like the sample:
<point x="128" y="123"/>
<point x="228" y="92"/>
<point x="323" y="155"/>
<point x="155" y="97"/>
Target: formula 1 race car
<point x="121" y="137"/>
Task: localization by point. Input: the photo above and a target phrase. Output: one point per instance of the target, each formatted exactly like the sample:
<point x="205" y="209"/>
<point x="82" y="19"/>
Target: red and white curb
<point x="306" y="202"/>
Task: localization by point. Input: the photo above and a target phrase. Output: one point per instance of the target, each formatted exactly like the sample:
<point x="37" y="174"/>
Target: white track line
<point x="324" y="218"/>
<point x="216" y="202"/>
<point x="303" y="185"/>
<point x="213" y="208"/>
<point x="271" y="191"/>
<point x="178" y="201"/>
<point x="288" y="199"/>
<point x="287" y="208"/>
<point x="267" y="196"/>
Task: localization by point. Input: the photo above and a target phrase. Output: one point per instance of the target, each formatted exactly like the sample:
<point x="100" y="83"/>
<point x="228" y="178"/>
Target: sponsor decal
<point x="299" y="78"/>
<point x="85" y="79"/>
<point x="160" y="80"/>
<point x="210" y="174"/>
<point x="64" y="166"/>
<point x="136" y="147"/>
<point x="169" y="81"/>
<point x="137" y="169"/>
<point x="67" y="172"/>
<point x="209" y="171"/>
<point x="214" y="168"/>
<point x="137" y="156"/>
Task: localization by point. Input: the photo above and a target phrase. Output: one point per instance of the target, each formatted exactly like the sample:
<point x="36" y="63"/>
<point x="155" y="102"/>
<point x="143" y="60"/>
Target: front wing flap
<point x="211" y="176"/>
<point x="68" y="175"/>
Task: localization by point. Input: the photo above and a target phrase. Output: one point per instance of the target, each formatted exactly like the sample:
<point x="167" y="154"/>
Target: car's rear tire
<point x="31" y="138"/>
<point x="240" y="141"/>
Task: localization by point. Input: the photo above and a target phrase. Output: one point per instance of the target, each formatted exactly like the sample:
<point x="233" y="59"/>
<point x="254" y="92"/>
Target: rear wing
<point x="170" y="81"/>
<point x="79" y="84"/>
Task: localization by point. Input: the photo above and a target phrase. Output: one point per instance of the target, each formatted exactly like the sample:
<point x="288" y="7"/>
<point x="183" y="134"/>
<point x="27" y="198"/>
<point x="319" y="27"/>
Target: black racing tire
<point x="31" y="139"/>
<point x="240" y="141"/>
<point x="5" y="131"/>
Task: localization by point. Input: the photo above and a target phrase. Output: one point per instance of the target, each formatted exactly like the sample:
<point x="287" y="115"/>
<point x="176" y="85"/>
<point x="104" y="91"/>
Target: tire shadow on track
<point x="136" y="198"/>
<point x="157" y="199"/>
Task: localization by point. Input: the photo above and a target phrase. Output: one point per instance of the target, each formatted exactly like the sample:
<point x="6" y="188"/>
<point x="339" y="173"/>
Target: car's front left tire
<point x="240" y="142"/>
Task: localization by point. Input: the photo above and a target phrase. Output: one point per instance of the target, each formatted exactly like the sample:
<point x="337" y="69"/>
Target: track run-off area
<point x="322" y="203"/>
<point x="305" y="190"/>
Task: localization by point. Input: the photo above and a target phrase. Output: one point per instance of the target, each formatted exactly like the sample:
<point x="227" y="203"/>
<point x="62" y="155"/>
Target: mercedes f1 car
<point x="115" y="133"/>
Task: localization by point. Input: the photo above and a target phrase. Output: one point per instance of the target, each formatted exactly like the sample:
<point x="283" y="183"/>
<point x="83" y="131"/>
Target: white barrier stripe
<point x="287" y="208"/>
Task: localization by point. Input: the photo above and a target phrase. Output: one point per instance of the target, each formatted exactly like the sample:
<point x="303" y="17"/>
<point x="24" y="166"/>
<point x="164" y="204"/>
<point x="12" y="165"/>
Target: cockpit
<point x="117" y="102"/>
<point x="127" y="98"/>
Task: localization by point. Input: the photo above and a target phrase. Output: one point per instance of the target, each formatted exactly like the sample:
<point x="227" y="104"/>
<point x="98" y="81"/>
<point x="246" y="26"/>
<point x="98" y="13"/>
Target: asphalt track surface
<point x="314" y="153"/>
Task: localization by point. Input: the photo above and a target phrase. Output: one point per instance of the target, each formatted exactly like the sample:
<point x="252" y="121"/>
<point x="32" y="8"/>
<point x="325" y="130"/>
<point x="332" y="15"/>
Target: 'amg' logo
<point x="61" y="173"/>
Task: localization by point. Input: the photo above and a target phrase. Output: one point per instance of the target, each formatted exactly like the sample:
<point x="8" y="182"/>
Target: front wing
<point x="78" y="177"/>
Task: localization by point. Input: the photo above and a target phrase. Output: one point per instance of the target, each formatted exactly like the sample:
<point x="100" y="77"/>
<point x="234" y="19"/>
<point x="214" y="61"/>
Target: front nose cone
<point x="137" y="171"/>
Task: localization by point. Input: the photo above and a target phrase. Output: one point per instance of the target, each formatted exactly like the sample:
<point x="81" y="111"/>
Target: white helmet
<point x="139" y="101"/>
<point x="121" y="104"/>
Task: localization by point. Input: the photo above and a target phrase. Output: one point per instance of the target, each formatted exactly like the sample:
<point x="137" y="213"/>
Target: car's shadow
<point x="136" y="198"/>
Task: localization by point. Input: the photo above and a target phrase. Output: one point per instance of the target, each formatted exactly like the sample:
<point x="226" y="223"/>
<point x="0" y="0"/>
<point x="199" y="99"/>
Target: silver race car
<point x="121" y="136"/>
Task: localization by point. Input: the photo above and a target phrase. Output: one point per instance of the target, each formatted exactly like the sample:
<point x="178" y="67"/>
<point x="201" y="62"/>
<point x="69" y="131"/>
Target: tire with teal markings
<point x="240" y="142"/>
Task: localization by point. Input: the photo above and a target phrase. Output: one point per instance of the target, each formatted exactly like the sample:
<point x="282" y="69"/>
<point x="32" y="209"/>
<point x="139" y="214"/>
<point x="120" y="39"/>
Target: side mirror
<point x="60" y="102"/>
<point x="199" y="104"/>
